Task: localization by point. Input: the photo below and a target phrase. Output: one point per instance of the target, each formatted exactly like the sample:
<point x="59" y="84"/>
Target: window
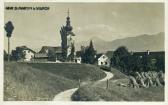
<point x="101" y="63"/>
<point x="105" y="63"/>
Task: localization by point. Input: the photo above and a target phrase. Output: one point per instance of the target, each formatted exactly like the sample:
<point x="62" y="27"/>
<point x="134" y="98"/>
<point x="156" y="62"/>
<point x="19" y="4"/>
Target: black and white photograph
<point x="84" y="51"/>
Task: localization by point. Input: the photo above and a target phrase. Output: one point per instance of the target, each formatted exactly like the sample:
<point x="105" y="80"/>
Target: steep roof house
<point x="103" y="59"/>
<point x="50" y="53"/>
<point x="23" y="53"/>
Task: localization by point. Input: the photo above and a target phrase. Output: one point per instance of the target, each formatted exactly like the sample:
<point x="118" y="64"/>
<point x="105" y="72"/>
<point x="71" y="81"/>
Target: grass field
<point x="98" y="92"/>
<point x="23" y="81"/>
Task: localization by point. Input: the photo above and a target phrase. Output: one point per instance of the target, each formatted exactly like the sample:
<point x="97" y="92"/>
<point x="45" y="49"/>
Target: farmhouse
<point x="104" y="58"/>
<point x="41" y="57"/>
<point x="23" y="53"/>
<point x="152" y="57"/>
<point x="50" y="53"/>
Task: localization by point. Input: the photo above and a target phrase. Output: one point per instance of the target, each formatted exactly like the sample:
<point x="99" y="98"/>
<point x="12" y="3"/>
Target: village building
<point x="49" y="53"/>
<point x="67" y="41"/>
<point x="40" y="57"/>
<point x="153" y="57"/>
<point x="103" y="59"/>
<point x="77" y="58"/>
<point x="29" y="54"/>
<point x="23" y="53"/>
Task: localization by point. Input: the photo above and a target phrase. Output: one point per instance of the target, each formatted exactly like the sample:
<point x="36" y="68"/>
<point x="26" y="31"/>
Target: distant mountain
<point x="138" y="43"/>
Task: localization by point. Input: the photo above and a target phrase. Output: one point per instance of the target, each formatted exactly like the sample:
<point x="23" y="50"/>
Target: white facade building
<point x="103" y="60"/>
<point x="78" y="60"/>
<point x="28" y="55"/>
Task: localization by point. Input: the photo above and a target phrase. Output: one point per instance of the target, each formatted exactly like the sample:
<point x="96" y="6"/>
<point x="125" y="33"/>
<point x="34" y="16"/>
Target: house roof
<point x="154" y="54"/>
<point x="109" y="54"/>
<point x="98" y="56"/>
<point x="57" y="49"/>
<point x="21" y="48"/>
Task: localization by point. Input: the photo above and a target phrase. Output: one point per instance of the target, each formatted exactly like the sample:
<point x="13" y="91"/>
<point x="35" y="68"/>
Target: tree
<point x="91" y="53"/>
<point x="160" y="64"/>
<point x="121" y="59"/>
<point x="9" y="29"/>
<point x="18" y="54"/>
<point x="88" y="54"/>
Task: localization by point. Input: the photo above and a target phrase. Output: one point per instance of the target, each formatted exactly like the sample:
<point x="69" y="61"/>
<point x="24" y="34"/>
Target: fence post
<point x="107" y="85"/>
<point x="78" y="83"/>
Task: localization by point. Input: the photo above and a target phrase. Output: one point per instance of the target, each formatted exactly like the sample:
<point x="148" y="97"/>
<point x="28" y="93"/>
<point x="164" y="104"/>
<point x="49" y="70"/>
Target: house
<point x="153" y="57"/>
<point x="40" y="57"/>
<point x="23" y="53"/>
<point x="51" y="53"/>
<point x="77" y="58"/>
<point x="103" y="59"/>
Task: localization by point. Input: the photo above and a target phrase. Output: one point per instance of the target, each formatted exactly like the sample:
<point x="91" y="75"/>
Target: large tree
<point x="88" y="54"/>
<point x="9" y="29"/>
<point x="91" y="53"/>
<point x="121" y="58"/>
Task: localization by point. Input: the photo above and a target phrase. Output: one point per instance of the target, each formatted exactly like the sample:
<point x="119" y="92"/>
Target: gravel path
<point x="66" y="95"/>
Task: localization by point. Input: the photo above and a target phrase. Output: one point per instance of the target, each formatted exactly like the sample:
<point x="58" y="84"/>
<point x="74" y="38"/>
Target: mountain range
<point x="143" y="42"/>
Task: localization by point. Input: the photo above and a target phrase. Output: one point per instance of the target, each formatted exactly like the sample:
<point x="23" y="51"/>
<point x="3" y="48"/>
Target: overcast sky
<point x="108" y="21"/>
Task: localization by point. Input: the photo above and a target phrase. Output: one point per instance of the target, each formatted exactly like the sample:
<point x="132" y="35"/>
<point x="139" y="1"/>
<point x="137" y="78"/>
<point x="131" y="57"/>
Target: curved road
<point x="66" y="95"/>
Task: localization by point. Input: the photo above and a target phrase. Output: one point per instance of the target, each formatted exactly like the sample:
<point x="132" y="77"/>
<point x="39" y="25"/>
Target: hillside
<point x="115" y="92"/>
<point x="33" y="82"/>
<point x="138" y="43"/>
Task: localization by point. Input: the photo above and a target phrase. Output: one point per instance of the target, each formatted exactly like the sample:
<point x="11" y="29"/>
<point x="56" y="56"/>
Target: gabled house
<point x="23" y="53"/>
<point x="103" y="59"/>
<point x="41" y="57"/>
<point x="50" y="53"/>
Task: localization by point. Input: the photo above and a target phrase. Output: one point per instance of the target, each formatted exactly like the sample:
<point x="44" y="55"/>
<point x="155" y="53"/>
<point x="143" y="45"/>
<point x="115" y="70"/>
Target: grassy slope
<point x="84" y="72"/>
<point x="40" y="81"/>
<point x="118" y="93"/>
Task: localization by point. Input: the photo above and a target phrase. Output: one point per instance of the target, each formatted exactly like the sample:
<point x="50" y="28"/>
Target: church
<point x="67" y="42"/>
<point x="63" y="53"/>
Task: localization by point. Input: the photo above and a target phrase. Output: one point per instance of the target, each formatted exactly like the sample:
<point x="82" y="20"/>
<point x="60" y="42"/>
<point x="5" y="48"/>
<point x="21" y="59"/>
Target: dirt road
<point x="66" y="95"/>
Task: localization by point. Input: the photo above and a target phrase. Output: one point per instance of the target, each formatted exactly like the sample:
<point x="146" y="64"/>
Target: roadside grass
<point x="84" y="72"/>
<point x="118" y="74"/>
<point x="98" y="92"/>
<point x="24" y="82"/>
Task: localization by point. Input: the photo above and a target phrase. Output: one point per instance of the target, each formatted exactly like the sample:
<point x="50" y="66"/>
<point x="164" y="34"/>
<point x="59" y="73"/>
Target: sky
<point x="107" y="21"/>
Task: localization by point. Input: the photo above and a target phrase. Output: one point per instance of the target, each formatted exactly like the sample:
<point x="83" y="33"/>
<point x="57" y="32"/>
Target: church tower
<point x="67" y="43"/>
